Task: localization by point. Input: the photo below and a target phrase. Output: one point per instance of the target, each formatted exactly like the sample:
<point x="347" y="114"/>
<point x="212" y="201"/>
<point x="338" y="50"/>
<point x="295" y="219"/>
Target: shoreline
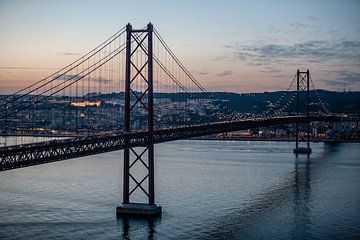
<point x="242" y="139"/>
<point x="212" y="138"/>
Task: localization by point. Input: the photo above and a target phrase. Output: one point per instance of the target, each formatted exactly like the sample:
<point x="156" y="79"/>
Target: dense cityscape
<point x="98" y="113"/>
<point x="180" y="120"/>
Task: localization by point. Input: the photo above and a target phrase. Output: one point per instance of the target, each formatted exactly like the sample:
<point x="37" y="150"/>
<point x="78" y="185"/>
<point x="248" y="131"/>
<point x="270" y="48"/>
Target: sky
<point x="235" y="46"/>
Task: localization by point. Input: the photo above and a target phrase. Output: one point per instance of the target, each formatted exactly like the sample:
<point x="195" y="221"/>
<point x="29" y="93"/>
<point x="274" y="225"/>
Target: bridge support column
<point x="143" y="157"/>
<point x="303" y="130"/>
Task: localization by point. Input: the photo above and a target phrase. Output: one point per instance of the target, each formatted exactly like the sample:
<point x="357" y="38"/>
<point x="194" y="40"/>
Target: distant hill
<point x="336" y="102"/>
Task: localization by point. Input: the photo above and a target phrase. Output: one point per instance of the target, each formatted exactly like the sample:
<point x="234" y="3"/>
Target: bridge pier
<point x="303" y="140"/>
<point x="138" y="210"/>
<point x="302" y="150"/>
<point x="144" y="97"/>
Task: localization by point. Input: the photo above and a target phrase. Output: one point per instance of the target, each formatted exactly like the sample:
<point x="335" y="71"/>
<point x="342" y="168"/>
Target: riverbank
<point x="274" y="139"/>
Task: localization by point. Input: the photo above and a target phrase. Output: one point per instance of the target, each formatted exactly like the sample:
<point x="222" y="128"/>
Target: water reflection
<point x="125" y="229"/>
<point x="139" y="227"/>
<point x="238" y="191"/>
<point x="291" y="195"/>
<point x="302" y="191"/>
<point x="294" y="191"/>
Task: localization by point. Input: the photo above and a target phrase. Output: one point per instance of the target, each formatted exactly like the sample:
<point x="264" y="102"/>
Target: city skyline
<point x="237" y="46"/>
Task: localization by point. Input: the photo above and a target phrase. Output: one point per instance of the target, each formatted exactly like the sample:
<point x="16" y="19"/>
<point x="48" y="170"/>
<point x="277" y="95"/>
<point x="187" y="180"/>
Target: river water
<point x="207" y="189"/>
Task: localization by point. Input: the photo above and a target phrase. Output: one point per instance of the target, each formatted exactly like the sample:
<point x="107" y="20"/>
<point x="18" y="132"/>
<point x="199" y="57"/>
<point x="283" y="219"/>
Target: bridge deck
<point x="44" y="152"/>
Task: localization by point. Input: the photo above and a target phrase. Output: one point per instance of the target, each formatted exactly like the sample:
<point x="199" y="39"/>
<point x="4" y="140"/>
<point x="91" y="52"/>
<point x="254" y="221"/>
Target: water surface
<point x="207" y="189"/>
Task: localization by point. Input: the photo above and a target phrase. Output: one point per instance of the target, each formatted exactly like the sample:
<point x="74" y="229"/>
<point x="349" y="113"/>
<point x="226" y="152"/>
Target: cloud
<point x="297" y="25"/>
<point x="67" y="53"/>
<point x="312" y="18"/>
<point x="344" y="77"/>
<point x="340" y="58"/>
<point x="25" y="68"/>
<point x="74" y="77"/>
<point x="315" y="51"/>
<point x="220" y="58"/>
<point x="102" y="80"/>
<point x="225" y="73"/>
<point x="67" y="77"/>
<point x="256" y="63"/>
<point x="203" y="71"/>
<point x="281" y="76"/>
<point x="270" y="70"/>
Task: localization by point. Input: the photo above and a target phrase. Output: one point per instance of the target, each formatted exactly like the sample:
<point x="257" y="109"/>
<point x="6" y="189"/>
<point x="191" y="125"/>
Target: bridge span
<point x="135" y="63"/>
<point x="18" y="156"/>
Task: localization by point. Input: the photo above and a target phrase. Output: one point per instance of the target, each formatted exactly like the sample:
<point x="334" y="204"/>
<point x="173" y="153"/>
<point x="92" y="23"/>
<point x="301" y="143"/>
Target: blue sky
<point x="240" y="46"/>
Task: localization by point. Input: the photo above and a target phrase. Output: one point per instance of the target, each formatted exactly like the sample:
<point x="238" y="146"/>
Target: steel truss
<point x="135" y="74"/>
<point x="44" y="152"/>
<point x="303" y="130"/>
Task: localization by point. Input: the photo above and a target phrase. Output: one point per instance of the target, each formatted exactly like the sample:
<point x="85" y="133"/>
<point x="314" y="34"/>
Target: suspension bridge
<point x="150" y="98"/>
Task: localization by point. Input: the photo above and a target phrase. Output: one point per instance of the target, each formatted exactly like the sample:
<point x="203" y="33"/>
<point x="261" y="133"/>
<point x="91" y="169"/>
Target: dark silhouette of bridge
<point x="148" y="64"/>
<point x="39" y="153"/>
